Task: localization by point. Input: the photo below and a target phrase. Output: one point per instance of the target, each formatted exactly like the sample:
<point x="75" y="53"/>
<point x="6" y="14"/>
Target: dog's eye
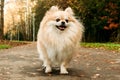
<point x="58" y="20"/>
<point x="66" y="20"/>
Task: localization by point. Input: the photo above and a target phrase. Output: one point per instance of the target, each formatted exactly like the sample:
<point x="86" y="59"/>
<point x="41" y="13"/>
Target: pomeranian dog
<point x="58" y="37"/>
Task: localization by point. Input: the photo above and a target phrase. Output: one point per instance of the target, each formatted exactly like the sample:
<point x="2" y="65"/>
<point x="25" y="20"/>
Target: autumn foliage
<point x="112" y="21"/>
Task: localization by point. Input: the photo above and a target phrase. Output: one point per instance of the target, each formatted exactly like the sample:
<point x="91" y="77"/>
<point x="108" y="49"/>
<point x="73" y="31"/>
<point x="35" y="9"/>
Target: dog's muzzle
<point x="62" y="26"/>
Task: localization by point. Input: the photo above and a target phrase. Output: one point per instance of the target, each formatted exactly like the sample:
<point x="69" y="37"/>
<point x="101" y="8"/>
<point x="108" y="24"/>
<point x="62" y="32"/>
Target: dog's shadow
<point x="37" y="71"/>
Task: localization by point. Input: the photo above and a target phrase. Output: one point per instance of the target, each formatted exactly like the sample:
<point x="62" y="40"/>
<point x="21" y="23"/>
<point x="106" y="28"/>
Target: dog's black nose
<point x="63" y="23"/>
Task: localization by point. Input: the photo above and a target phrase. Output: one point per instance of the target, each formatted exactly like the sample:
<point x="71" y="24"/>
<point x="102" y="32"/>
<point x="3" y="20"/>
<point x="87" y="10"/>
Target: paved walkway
<point x="22" y="63"/>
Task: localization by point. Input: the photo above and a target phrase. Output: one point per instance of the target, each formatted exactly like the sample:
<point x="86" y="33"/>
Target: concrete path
<point x="22" y="63"/>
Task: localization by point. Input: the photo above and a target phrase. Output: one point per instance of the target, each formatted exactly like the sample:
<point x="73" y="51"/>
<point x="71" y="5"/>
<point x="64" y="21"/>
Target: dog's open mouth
<point x="62" y="28"/>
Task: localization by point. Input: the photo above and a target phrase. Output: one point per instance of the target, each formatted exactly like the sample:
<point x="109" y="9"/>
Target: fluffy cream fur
<point x="54" y="45"/>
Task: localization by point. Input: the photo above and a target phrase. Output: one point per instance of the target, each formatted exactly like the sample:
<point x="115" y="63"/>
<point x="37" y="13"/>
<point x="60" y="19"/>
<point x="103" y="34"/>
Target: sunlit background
<point x="19" y="19"/>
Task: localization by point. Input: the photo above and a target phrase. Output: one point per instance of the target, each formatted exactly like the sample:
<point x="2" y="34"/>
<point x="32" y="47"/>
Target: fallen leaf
<point x="98" y="68"/>
<point x="39" y="69"/>
<point x="7" y="72"/>
<point x="96" y="76"/>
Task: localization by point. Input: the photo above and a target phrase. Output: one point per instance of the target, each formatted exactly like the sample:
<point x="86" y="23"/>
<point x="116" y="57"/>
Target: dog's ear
<point x="54" y="8"/>
<point x="69" y="10"/>
<point x="51" y="10"/>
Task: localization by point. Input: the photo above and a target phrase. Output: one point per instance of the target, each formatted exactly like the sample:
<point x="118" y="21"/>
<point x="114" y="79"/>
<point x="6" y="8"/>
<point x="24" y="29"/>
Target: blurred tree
<point x="19" y="19"/>
<point x="1" y="18"/>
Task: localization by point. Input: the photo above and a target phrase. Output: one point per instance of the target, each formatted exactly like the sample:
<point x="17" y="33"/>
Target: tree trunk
<point x="1" y="20"/>
<point x="118" y="35"/>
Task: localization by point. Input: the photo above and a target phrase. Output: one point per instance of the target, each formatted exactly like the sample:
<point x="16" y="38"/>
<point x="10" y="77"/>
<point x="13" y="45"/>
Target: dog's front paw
<point x="48" y="69"/>
<point x="63" y="71"/>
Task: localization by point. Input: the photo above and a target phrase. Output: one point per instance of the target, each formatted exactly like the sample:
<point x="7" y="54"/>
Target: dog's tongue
<point x="62" y="27"/>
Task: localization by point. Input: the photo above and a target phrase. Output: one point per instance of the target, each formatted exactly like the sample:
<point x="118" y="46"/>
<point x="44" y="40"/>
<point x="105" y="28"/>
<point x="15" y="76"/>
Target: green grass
<point x="10" y="44"/>
<point x="108" y="46"/>
<point x="4" y="46"/>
